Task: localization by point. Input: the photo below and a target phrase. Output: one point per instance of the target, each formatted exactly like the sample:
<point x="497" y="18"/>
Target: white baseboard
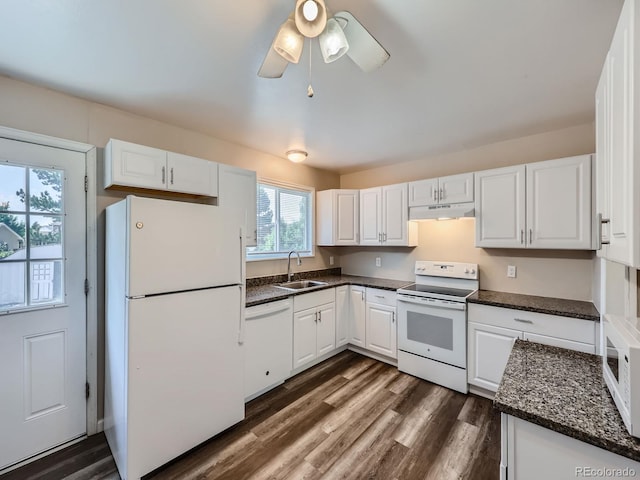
<point x="481" y="392"/>
<point x="42" y="455"/>
<point x="100" y="425"/>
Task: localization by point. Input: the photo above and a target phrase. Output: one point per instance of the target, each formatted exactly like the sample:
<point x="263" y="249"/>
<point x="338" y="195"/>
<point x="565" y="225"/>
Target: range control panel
<point x="447" y="269"/>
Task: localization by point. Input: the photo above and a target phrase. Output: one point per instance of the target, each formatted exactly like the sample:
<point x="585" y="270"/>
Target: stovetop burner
<point x="425" y="290"/>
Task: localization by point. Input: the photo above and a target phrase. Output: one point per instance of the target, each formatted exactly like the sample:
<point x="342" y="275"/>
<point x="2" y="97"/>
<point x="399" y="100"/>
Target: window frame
<point x="257" y="257"/>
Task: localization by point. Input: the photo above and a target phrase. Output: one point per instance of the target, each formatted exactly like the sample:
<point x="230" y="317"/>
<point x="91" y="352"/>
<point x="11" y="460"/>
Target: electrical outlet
<point x="511" y="271"/>
<point x="331" y="262"/>
<point x="378" y="262"/>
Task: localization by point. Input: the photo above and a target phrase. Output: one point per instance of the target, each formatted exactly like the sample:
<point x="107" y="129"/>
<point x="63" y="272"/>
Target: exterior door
<point x="42" y="300"/>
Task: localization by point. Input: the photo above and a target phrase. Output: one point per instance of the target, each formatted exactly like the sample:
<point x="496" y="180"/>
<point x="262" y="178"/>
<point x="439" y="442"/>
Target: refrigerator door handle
<point x="242" y="289"/>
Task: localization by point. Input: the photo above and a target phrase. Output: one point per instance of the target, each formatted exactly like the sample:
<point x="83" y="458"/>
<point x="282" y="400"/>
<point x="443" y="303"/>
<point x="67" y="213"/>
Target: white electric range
<point x="432" y="322"/>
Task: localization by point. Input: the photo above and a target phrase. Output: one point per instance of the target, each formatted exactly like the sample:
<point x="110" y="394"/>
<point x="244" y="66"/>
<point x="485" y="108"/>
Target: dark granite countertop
<point x="531" y="303"/>
<point x="262" y="290"/>
<point x="564" y="391"/>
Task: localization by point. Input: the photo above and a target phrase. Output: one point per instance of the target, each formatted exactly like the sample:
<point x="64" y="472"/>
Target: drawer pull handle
<point x="379" y="296"/>
<point x="523" y="321"/>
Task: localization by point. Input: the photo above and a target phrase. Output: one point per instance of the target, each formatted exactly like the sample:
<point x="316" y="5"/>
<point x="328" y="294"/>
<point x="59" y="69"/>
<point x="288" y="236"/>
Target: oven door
<point x="435" y="329"/>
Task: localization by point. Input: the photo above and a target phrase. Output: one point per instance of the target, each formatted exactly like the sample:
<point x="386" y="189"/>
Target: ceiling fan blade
<point x="273" y="66"/>
<point x="364" y="50"/>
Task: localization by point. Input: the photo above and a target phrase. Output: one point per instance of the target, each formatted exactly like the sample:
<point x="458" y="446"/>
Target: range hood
<point x="434" y="212"/>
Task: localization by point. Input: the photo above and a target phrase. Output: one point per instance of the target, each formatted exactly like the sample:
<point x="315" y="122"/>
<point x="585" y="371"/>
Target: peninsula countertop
<point x="563" y="390"/>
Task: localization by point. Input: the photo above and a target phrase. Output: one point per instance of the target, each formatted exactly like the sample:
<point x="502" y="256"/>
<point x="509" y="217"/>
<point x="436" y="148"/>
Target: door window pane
<point x="12" y="236"/>
<point x="12" y="188"/>
<point x="12" y="285"/>
<point x="45" y="236"/>
<point x="45" y="190"/>
<point x="46" y="282"/>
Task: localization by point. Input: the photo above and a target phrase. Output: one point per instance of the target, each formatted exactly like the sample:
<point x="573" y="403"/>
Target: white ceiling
<point x="462" y="73"/>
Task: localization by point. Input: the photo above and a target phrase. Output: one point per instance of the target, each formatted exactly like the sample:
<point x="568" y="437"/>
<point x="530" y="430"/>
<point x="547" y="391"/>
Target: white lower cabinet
<point x="493" y="330"/>
<point x="489" y="348"/>
<point x="381" y="331"/>
<point x="267" y="346"/>
<point x="532" y="452"/>
<point x="314" y="326"/>
<point x="357" y="324"/>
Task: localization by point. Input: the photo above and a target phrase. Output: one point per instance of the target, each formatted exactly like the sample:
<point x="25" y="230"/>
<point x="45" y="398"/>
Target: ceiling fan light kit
<point x="310" y="28"/>
<point x="297" y="156"/>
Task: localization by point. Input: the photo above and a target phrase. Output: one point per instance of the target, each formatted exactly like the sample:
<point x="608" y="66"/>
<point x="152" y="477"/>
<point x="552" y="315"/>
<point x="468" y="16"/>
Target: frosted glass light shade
<point x="333" y="43"/>
<point x="296" y="156"/>
<point x="289" y="41"/>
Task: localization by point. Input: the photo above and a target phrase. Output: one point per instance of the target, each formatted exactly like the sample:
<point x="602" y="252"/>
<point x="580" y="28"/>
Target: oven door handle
<point x="435" y="303"/>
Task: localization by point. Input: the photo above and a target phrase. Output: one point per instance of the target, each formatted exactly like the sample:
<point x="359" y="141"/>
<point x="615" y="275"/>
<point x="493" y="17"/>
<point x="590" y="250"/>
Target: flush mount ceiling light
<point x="339" y="34"/>
<point x="297" y="156"/>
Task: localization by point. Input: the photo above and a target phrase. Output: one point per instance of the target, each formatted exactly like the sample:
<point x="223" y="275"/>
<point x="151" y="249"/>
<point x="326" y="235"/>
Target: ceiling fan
<point x="339" y="34"/>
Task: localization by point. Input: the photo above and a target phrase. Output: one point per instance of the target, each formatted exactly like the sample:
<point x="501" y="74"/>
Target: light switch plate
<point x="331" y="262"/>
<point x="511" y="271"/>
<point x="378" y="262"/>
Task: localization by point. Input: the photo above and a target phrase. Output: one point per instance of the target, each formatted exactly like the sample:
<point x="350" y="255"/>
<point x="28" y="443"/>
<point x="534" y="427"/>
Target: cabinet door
<point x="343" y="312"/>
<point x="395" y="213"/>
<point x="559" y="203"/>
<point x="489" y="348"/>
<point x="134" y="165"/>
<point x="602" y="160"/>
<point x="370" y="216"/>
<point x="456" y="188"/>
<point x="346" y="217"/>
<point x="500" y="207"/>
<point x="381" y="333"/>
<point x="623" y="172"/>
<point x="357" y="326"/>
<point x="237" y="188"/>
<point x="304" y="336"/>
<point x="423" y="193"/>
<point x="192" y="175"/>
<point x="326" y="329"/>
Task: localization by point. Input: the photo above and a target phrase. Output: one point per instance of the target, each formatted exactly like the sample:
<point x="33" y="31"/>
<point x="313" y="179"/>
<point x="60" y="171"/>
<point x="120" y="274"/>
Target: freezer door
<point x="177" y="246"/>
<point x="185" y="373"/>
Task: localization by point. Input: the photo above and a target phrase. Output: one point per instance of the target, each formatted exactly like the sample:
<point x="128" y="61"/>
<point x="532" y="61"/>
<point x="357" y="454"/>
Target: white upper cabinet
<point x="544" y="205"/>
<point x="617" y="109"/>
<point x="191" y="175"/>
<point x="559" y="204"/>
<point x="130" y="165"/>
<point x="238" y="189"/>
<point x="500" y="207"/>
<point x="338" y="217"/>
<point x="384" y="217"/>
<point x="443" y="190"/>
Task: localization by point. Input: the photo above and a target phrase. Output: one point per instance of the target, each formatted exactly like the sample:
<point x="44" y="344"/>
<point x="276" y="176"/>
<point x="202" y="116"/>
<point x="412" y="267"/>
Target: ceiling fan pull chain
<point x="310" y="88"/>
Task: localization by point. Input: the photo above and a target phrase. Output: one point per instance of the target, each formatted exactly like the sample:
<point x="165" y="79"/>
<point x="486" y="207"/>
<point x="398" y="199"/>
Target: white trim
<point x="38" y="138"/>
<point x="92" y="296"/>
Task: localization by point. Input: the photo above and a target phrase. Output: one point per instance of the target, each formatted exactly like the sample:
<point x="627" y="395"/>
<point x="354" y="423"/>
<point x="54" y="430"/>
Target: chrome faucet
<point x="289" y="274"/>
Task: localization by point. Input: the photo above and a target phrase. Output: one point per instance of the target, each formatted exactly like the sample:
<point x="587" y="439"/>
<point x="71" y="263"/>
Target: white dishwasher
<point x="267" y="346"/>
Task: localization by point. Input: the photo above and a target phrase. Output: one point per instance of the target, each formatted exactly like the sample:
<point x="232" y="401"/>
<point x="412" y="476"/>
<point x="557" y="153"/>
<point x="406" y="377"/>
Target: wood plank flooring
<point x="350" y="417"/>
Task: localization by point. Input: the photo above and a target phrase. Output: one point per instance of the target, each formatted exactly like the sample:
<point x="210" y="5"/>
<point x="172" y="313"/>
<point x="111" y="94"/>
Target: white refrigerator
<point x="174" y="329"/>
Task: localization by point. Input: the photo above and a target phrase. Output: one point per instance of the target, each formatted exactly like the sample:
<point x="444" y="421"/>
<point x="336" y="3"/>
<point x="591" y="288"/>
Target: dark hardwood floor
<point x="350" y="417"/>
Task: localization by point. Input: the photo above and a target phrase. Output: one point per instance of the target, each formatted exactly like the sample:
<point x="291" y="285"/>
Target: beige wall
<point x="27" y="107"/>
<point x="542" y="272"/>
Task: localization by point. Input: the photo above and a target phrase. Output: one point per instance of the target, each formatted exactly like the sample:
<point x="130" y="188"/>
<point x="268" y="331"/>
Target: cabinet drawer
<point x="574" y="329"/>
<point x="313" y="299"/>
<point x="382" y="297"/>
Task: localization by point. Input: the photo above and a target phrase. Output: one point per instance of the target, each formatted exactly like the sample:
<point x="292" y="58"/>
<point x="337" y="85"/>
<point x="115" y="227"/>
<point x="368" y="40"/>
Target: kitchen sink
<point x="301" y="284"/>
